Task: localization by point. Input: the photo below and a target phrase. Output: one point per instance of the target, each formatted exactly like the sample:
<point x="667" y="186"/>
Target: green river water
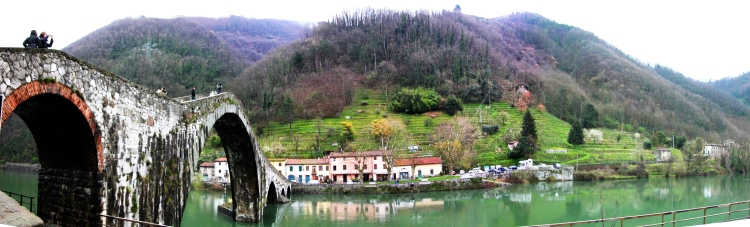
<point x="529" y="204"/>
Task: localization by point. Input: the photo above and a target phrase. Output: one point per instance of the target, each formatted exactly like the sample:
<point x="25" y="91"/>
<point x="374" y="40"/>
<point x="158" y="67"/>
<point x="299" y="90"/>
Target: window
<point x="334" y="159"/>
<point x="320" y="168"/>
<point x="356" y="166"/>
<point x="374" y="166"/>
<point x="344" y="167"/>
<point x="279" y="163"/>
<point x="291" y="169"/>
<point x="326" y="168"/>
<point x="300" y="168"/>
<point x="219" y="171"/>
<point x="384" y="166"/>
<point x="431" y="172"/>
<point x="344" y="158"/>
<point x="307" y="168"/>
<point x="334" y="168"/>
<point x="365" y="166"/>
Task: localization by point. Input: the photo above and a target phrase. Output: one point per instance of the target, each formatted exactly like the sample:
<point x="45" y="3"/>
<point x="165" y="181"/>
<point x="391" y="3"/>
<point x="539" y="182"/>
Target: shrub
<point x="453" y="105"/>
<point x="428" y="122"/>
<point x="552" y="178"/>
<point x="415" y="101"/>
<point x="522" y="177"/>
<point x="364" y="103"/>
<point x="490" y="129"/>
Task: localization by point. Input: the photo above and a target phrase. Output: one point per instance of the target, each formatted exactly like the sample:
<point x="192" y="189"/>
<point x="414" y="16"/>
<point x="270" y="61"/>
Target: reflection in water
<point x="529" y="204"/>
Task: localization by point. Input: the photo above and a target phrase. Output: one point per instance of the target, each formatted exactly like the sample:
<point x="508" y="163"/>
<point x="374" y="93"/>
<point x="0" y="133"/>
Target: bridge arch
<point x="244" y="163"/>
<point x="70" y="151"/>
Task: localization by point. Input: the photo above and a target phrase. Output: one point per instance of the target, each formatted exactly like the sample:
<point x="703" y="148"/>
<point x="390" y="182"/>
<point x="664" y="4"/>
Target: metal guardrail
<point x="21" y="201"/>
<point x="674" y="221"/>
<point x="121" y="222"/>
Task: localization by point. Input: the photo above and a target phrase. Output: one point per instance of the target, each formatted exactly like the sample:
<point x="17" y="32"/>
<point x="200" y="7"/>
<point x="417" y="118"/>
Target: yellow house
<point x="279" y="164"/>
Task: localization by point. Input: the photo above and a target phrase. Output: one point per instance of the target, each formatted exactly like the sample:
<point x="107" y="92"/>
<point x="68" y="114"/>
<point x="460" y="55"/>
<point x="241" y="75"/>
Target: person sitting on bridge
<point x="45" y="40"/>
<point x="32" y="41"/>
<point x="161" y="91"/>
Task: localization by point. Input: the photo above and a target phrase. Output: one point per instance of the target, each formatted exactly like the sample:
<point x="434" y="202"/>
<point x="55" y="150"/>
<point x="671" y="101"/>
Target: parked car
<point x="503" y="169"/>
<point x="511" y="168"/>
<point x="495" y="171"/>
<point x="462" y="172"/>
<point x="314" y="182"/>
<point x="476" y="171"/>
<point x="557" y="165"/>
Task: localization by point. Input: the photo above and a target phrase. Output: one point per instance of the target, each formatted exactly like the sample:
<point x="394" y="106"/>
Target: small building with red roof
<point x="409" y="168"/>
<point x="206" y="171"/>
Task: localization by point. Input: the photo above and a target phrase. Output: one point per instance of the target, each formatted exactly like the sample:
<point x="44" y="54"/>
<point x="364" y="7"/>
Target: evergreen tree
<point x="288" y="113"/>
<point x="575" y="136"/>
<point x="529" y="127"/>
<point x="590" y="116"/>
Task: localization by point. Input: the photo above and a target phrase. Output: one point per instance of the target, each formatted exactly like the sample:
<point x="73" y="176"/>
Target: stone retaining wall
<point x="448" y="185"/>
<point x="21" y="166"/>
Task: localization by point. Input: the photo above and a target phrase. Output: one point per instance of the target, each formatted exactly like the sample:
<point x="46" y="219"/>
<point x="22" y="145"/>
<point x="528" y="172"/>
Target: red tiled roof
<point x="321" y="161"/>
<point x="207" y="164"/>
<point x="420" y="161"/>
<point x="221" y="160"/>
<point x="363" y="153"/>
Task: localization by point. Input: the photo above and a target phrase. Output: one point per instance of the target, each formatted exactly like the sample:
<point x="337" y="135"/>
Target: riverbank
<point x="12" y="166"/>
<point x="446" y="185"/>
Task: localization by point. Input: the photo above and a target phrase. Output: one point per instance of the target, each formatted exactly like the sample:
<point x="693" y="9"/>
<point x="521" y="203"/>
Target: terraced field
<point x="490" y="149"/>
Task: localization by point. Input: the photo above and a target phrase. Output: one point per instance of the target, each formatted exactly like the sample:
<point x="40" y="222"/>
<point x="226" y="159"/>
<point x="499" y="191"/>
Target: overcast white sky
<point x="701" y="39"/>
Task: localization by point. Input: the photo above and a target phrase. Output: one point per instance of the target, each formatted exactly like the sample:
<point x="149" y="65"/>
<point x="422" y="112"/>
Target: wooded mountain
<point x="738" y="86"/>
<point x="182" y="53"/>
<point x="479" y="59"/>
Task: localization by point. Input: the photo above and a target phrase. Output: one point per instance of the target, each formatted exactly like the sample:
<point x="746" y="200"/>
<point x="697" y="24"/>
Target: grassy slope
<point x="490" y="150"/>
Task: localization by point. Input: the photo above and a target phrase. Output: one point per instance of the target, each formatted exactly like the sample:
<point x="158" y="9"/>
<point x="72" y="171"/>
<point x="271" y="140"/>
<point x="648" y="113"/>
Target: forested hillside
<point x="184" y="52"/>
<point x="481" y="60"/>
<point x="738" y="86"/>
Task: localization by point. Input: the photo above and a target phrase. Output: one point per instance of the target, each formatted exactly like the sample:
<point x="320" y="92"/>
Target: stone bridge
<point x="108" y="146"/>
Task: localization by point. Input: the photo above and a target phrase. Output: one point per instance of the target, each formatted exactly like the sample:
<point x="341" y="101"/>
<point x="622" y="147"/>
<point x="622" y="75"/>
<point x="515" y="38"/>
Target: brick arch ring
<point x="29" y="90"/>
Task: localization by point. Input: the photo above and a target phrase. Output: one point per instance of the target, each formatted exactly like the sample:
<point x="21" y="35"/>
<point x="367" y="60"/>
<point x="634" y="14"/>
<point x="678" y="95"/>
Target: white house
<point x="221" y="170"/>
<point x="207" y="171"/>
<point x="305" y="170"/>
<point x="425" y="167"/>
<point x="663" y="154"/>
<point x="716" y="151"/>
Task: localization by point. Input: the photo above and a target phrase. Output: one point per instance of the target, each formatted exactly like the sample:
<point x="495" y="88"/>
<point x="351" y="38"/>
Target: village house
<point x="221" y="170"/>
<point x="206" y="170"/>
<point x="716" y="151"/>
<point x="279" y="164"/>
<point x="345" y="165"/>
<point x="305" y="170"/>
<point x="424" y="167"/>
<point x="663" y="154"/>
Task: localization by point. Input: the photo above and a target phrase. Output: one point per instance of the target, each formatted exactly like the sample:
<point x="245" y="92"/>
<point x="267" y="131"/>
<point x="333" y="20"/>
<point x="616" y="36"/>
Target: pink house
<point x="345" y="165"/>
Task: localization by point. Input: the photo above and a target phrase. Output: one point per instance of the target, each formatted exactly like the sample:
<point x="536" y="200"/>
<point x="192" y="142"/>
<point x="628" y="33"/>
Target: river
<point x="528" y="204"/>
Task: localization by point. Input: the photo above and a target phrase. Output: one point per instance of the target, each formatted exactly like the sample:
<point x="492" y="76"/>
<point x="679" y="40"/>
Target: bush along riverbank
<point x="447" y="185"/>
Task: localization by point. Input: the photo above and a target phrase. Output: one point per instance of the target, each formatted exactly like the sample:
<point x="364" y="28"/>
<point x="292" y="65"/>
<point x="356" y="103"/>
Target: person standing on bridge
<point x="45" y="40"/>
<point x="33" y="41"/>
<point x="218" y="89"/>
<point x="192" y="93"/>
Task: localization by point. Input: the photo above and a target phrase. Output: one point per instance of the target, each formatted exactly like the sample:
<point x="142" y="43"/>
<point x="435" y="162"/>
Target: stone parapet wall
<point x="70" y="198"/>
